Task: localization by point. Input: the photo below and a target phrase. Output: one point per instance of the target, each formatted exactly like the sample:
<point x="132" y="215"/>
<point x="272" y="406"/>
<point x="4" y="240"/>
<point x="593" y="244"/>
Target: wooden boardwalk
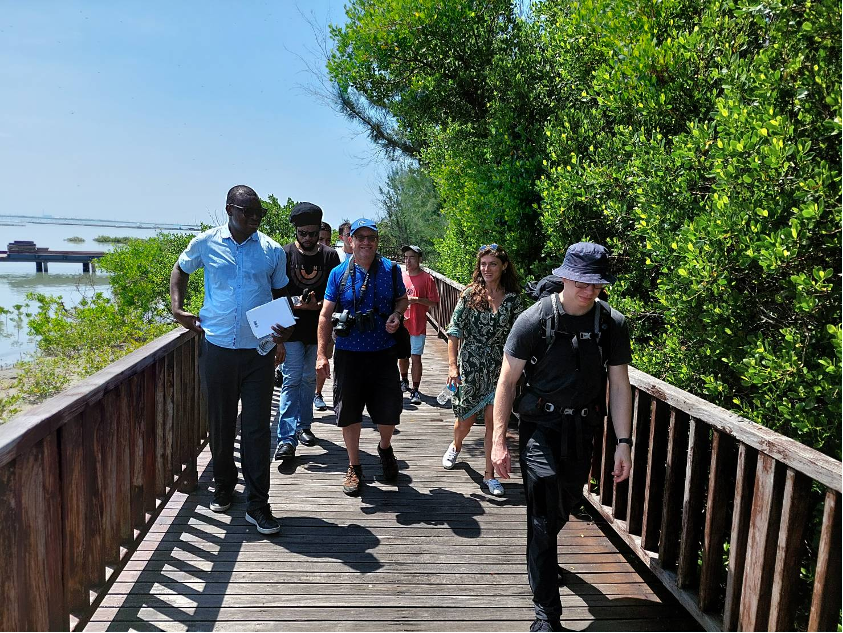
<point x="434" y="552"/>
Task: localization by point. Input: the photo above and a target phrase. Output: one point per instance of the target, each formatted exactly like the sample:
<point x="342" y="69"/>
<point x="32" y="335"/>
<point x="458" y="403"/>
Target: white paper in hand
<point x="262" y="318"/>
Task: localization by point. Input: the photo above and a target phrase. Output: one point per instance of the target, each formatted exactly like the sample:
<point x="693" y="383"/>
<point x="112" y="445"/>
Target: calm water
<point x="65" y="280"/>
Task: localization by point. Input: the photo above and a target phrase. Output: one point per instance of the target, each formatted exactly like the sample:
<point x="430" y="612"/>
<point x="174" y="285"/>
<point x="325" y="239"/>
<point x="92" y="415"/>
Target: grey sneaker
<point x="405" y="386"/>
<point x="415" y="397"/>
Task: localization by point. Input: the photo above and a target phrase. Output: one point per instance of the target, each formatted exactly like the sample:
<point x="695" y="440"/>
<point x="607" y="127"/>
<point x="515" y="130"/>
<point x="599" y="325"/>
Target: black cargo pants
<point x="553" y="484"/>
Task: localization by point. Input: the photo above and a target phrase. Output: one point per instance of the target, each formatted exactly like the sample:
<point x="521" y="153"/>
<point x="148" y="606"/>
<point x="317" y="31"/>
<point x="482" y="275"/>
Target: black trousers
<point x="230" y="376"/>
<point x="553" y="486"/>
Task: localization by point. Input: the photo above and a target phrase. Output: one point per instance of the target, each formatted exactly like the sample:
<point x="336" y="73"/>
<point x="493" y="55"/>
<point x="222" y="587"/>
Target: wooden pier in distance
<point x="43" y="257"/>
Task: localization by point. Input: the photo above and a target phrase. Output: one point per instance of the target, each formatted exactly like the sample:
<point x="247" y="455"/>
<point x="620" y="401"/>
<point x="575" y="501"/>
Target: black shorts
<point x="367" y="379"/>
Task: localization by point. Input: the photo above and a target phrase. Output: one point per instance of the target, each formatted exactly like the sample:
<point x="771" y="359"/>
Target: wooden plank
<point x="106" y="474"/>
<point x="123" y="468"/>
<point x="674" y="484"/>
<point x="714" y="534"/>
<point x="137" y="426"/>
<point x="33" y="596"/>
<point x="149" y="449"/>
<point x="58" y="617"/>
<point x="607" y="484"/>
<point x="741" y="510"/>
<point x="761" y="544"/>
<point x="642" y="404"/>
<point x="802" y="458"/>
<point x="161" y="480"/>
<point x="93" y="501"/>
<point x="178" y="427"/>
<point x="33" y="425"/>
<point x="74" y="498"/>
<point x="825" y="602"/>
<point x="169" y="429"/>
<point x="9" y="550"/>
<point x="692" y="503"/>
<point x="797" y="489"/>
<point x="655" y="476"/>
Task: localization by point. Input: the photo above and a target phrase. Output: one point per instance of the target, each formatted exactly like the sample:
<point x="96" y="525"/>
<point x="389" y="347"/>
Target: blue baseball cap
<point x="360" y="223"/>
<point x="586" y="262"/>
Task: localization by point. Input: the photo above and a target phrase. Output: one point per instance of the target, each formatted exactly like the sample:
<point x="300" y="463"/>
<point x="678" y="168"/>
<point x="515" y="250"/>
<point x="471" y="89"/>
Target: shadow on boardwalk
<point x="432" y="552"/>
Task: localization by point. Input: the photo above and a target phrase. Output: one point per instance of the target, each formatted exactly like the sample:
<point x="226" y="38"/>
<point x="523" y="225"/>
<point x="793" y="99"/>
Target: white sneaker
<point x="450" y="457"/>
<point x="494" y="486"/>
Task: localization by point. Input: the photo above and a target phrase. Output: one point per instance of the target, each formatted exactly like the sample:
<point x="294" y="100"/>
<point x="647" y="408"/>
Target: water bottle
<point x="446" y="394"/>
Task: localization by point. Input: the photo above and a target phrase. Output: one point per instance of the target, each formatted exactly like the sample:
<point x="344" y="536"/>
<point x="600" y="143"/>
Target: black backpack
<point x="549" y="324"/>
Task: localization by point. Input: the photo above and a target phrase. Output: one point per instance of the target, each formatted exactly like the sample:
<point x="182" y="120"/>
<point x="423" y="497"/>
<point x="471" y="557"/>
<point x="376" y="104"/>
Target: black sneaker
<point x="353" y="480"/>
<point x="388" y="463"/>
<point x="263" y="520"/>
<point x="279" y="377"/>
<point x="543" y="625"/>
<point x="306" y="437"/>
<point x="405" y="385"/>
<point x="285" y="450"/>
<point x="222" y="500"/>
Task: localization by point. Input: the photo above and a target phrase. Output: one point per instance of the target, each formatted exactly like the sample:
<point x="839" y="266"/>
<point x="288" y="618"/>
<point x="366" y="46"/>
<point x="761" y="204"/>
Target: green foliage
<point x="276" y="224"/>
<point x="75" y="239"/>
<point x="699" y="139"/>
<point x="410" y="213"/>
<point x="140" y="276"/>
<point x="109" y="239"/>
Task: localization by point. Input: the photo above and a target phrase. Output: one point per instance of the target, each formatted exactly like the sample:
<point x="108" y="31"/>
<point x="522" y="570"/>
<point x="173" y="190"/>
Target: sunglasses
<point x="491" y="247"/>
<point x="581" y="285"/>
<point x="250" y="212"/>
<point x="366" y="238"/>
<point x="301" y="233"/>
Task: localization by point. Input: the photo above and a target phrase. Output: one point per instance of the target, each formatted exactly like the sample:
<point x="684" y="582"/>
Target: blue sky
<point x="151" y="110"/>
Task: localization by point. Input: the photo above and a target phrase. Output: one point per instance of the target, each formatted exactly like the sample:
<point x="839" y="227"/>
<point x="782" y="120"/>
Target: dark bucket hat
<point x="586" y="262"/>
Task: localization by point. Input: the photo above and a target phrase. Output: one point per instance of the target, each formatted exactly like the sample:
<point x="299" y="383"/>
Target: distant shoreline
<point x="19" y="220"/>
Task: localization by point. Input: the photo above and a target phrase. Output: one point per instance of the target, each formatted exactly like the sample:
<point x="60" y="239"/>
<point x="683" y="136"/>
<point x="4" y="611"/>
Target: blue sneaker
<point x="319" y="403"/>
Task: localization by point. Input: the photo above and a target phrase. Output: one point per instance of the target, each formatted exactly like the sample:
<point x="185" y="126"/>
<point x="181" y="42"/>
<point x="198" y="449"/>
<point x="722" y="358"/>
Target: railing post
<point x="825" y="603"/>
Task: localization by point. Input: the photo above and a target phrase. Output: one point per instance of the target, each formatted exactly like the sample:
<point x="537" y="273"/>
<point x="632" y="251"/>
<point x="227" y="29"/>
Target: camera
<point x="342" y="322"/>
<point x="306" y="296"/>
<point x="345" y="320"/>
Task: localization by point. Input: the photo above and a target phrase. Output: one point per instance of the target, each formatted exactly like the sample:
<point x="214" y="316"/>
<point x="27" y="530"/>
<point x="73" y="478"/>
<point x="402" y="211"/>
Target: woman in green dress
<point x="476" y="335"/>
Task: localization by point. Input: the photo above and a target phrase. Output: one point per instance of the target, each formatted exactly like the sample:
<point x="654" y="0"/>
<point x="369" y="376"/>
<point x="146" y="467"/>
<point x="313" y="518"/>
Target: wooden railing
<point x="740" y="523"/>
<point x="83" y="476"/>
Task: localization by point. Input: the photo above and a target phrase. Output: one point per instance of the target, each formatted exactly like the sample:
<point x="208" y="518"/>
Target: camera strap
<point x="370" y="277"/>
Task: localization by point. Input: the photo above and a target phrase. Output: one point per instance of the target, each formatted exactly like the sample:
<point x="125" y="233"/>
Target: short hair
<point x="342" y="228"/>
<point x="239" y="193"/>
<point x="325" y="227"/>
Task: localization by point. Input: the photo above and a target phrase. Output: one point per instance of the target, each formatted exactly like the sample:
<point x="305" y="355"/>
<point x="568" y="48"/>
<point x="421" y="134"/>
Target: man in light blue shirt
<point x="243" y="269"/>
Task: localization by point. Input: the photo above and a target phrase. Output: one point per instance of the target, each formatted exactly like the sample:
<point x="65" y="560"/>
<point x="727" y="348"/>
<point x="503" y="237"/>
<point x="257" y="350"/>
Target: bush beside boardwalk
<point x="699" y="139"/>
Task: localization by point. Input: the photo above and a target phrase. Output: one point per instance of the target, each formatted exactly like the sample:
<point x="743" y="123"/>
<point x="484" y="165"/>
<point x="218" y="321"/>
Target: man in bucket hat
<point x="566" y="345"/>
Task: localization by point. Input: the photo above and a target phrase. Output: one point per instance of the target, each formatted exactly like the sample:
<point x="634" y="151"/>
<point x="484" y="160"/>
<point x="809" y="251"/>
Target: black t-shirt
<point x="308" y="272"/>
<point x="526" y="340"/>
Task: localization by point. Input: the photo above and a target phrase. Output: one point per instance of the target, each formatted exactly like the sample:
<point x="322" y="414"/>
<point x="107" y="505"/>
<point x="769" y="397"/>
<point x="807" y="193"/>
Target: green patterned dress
<point x="483" y="334"/>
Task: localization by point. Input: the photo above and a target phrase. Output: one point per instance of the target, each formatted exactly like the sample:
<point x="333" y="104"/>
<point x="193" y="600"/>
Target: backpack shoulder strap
<point x="548" y="324"/>
<point x="602" y="327"/>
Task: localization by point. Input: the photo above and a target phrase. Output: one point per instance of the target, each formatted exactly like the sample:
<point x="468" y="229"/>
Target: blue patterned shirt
<point x="379" y="295"/>
<point x="238" y="277"/>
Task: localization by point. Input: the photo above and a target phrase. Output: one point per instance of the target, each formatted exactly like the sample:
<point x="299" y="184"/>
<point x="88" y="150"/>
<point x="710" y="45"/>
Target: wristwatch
<point x="400" y="316"/>
<point x="625" y="440"/>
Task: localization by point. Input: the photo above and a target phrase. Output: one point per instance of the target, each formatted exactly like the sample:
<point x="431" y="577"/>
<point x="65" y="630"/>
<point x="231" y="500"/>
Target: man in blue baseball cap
<point x="566" y="345"/>
<point x="364" y="304"/>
